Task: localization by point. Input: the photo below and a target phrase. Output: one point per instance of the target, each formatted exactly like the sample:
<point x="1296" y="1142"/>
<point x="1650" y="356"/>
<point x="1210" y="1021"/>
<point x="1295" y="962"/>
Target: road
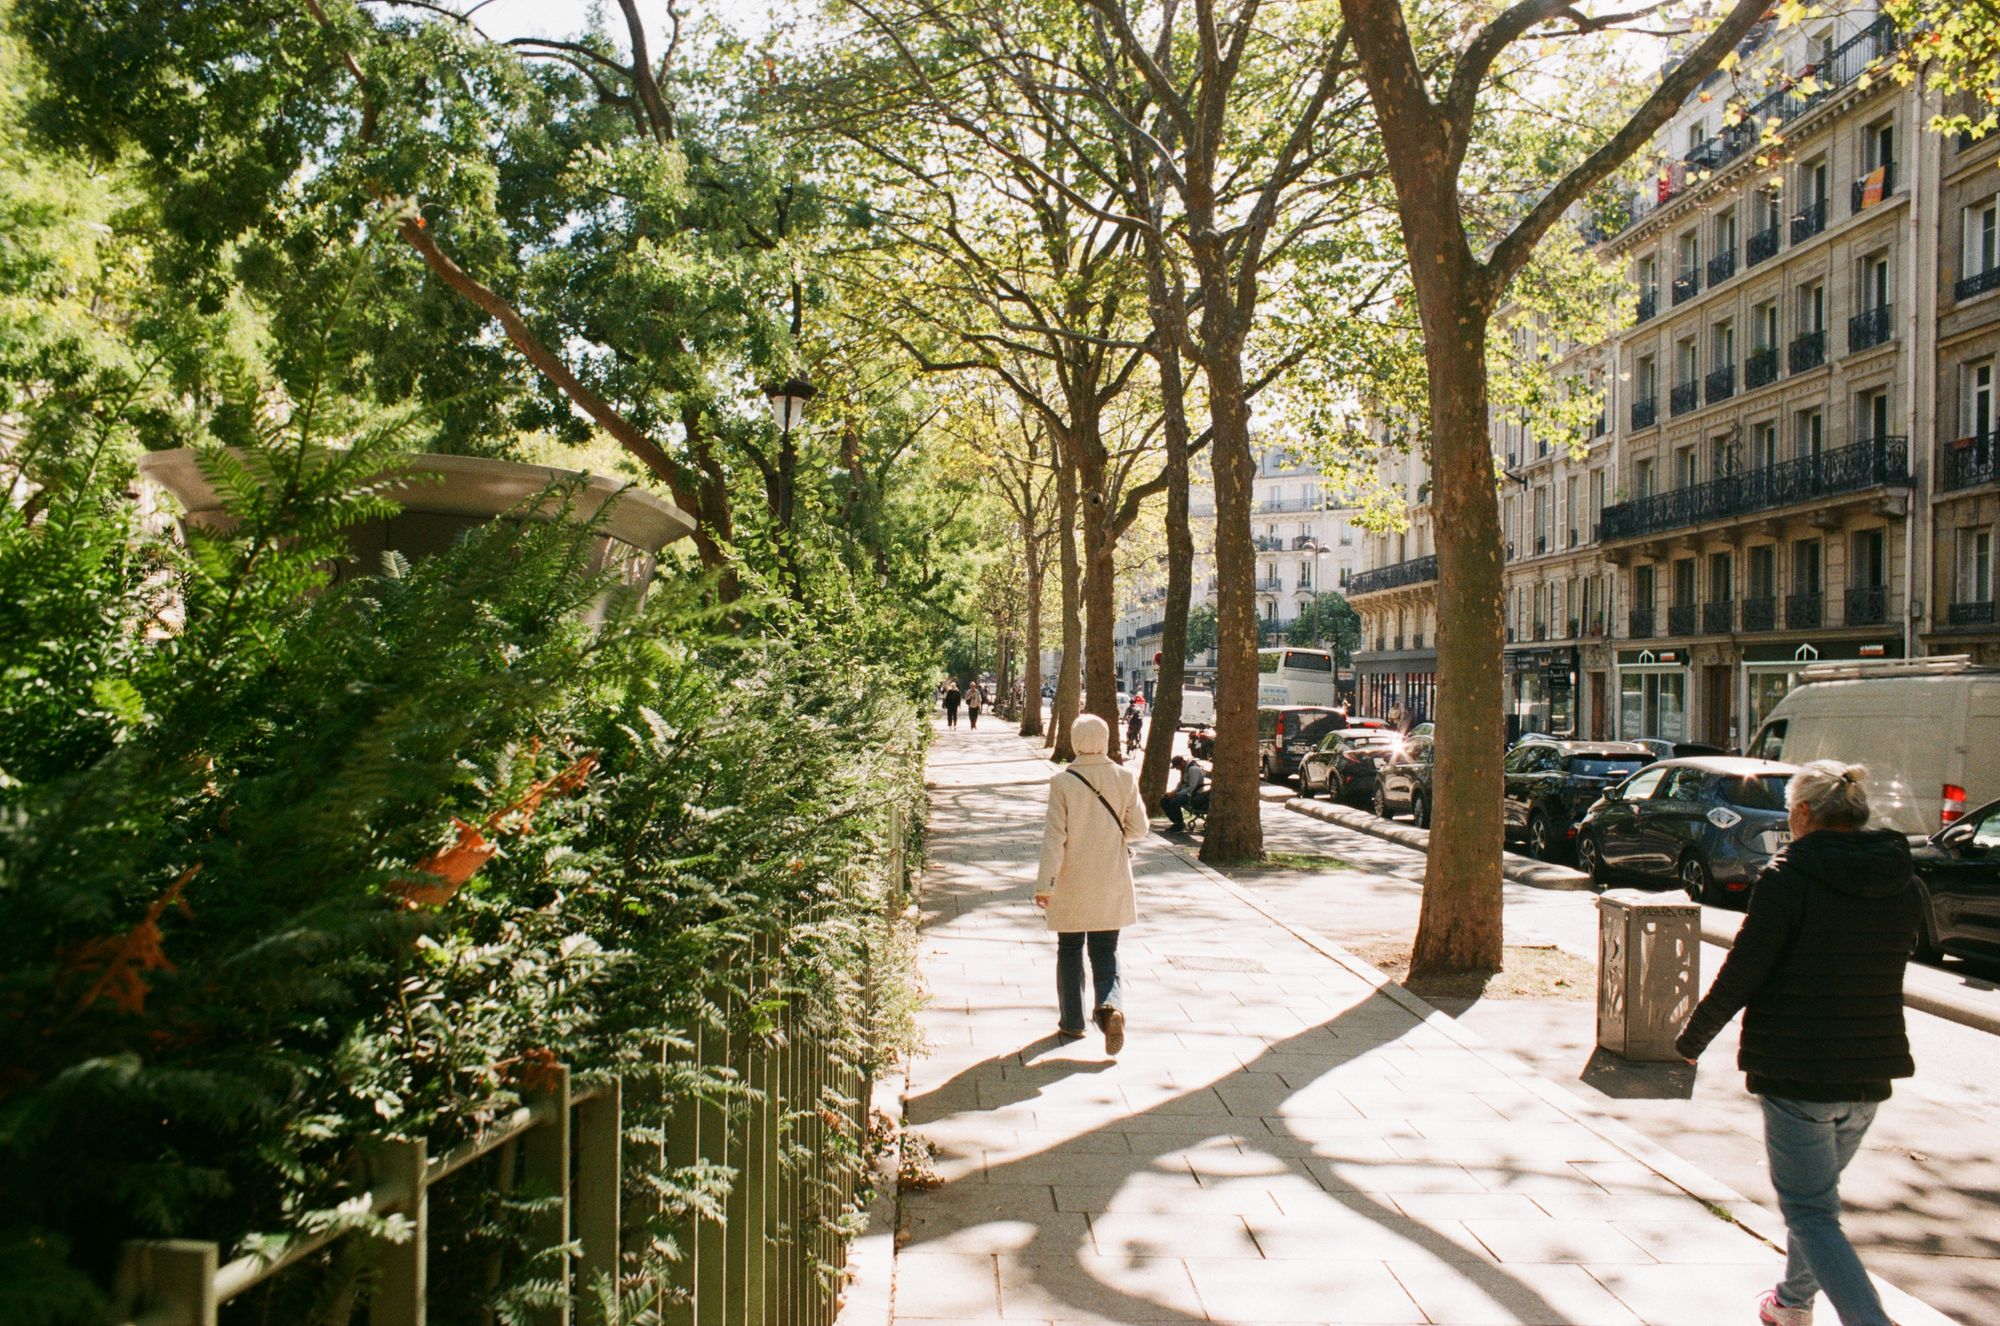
<point x="1924" y="1197"/>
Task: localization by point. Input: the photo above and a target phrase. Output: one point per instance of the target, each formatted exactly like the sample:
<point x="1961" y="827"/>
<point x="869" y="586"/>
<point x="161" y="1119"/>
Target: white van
<point x="1197" y="707"/>
<point x="1928" y="730"/>
<point x="1295" y="676"/>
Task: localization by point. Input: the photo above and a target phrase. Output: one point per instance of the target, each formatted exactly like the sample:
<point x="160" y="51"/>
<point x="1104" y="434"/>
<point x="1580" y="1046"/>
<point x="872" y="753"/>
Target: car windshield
<point x="1756" y="791"/>
<point x="1606" y="766"/>
<point x="1372" y="742"/>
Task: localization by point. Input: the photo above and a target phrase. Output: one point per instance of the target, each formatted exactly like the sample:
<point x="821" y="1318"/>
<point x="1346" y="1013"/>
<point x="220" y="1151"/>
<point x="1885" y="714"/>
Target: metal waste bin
<point x="1648" y="973"/>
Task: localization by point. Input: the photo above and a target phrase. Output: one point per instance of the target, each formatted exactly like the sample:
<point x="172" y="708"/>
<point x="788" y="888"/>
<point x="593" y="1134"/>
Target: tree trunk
<point x="1180" y="582"/>
<point x="1100" y="599"/>
<point x="1031" y="676"/>
<point x="1235" y="829"/>
<point x="1068" y="675"/>
<point x="1460" y="926"/>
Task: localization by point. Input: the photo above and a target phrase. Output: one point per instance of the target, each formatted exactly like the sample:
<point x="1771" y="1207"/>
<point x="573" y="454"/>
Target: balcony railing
<point x="1272" y="586"/>
<point x="1395" y="576"/>
<point x="1807" y="479"/>
<point x="1808" y="221"/>
<point x="1870" y="328"/>
<point x="1645" y="413"/>
<point x="1686" y="396"/>
<point x="1641" y="624"/>
<point x="1808" y="351"/>
<point x="1972" y="614"/>
<point x="1972" y="460"/>
<point x="1721" y="267"/>
<point x="1804" y="612"/>
<point x="1680" y="619"/>
<point x="1541" y="630"/>
<point x="1978" y="283"/>
<point x="1858" y="192"/>
<point x="1720" y="384"/>
<point x="1760" y="614"/>
<point x="1762" y="245"/>
<point x="1649" y="304"/>
<point x="1718" y="618"/>
<point x="1687" y="285"/>
<point x="1867" y="605"/>
<point x="1760" y="369"/>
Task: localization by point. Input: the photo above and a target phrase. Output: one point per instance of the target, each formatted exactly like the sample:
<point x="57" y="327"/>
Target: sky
<point x="562" y="18"/>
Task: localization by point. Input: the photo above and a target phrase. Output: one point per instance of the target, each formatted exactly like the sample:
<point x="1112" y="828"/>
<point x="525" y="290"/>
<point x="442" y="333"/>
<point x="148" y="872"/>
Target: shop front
<point x="1771" y="670"/>
<point x="1386" y="679"/>
<point x="1653" y="694"/>
<point x="1541" y="691"/>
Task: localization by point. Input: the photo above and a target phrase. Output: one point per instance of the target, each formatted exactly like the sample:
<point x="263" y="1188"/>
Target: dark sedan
<point x="1550" y="783"/>
<point x="1958" y="869"/>
<point x="1403" y="782"/>
<point x="1343" y="764"/>
<point x="1710" y="824"/>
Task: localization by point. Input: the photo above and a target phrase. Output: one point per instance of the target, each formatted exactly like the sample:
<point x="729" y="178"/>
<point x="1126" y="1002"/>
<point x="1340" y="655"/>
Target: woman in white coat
<point x="1085" y="884"/>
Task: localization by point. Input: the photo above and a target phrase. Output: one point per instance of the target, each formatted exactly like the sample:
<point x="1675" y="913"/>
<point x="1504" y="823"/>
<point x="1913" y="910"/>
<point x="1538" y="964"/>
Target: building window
<point x="1649" y="378"/>
<point x="1878" y="144"/>
<point x="1687" y="469"/>
<point x="1982" y="238"/>
<point x="1868" y="567"/>
<point x="1812" y="307"/>
<point x="1806" y="562"/>
<point x="1809" y="434"/>
<point x="1975" y="565"/>
<point x="1875" y="287"/>
<point x="1642" y="477"/>
<point x="1763" y="445"/>
<point x="1871" y="415"/>
<point x="1763" y="571"/>
<point x="1979" y="398"/>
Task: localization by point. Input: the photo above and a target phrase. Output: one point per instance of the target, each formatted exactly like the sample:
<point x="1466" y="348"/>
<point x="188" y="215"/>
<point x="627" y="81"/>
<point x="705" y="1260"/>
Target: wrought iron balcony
<point x="1721" y="267"/>
<point x="1720" y="384"/>
<point x="1687" y="285"/>
<point x="1271" y="586"/>
<point x="1686" y="396"/>
<point x="1760" y="369"/>
<point x="1972" y="614"/>
<point x="1718" y="618"/>
<point x="1649" y="304"/>
<point x="1763" y="244"/>
<point x="1852" y="469"/>
<point x="1804" y="612"/>
<point x="1859" y="191"/>
<point x="1541" y="630"/>
<point x="1978" y="283"/>
<point x="1972" y="460"/>
<point x="1808" y="221"/>
<point x="1870" y="327"/>
<point x="1640" y="625"/>
<point x="1760" y="614"/>
<point x="1395" y="576"/>
<point x="1867" y="605"/>
<point x="1808" y="351"/>
<point x="1680" y="619"/>
<point x="1645" y="413"/>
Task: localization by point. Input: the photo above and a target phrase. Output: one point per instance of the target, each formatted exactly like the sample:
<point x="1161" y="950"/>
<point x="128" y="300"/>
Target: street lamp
<point x="788" y="403"/>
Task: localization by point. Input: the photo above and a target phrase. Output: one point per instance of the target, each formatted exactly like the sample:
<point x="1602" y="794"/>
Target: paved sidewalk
<point x="1280" y="1141"/>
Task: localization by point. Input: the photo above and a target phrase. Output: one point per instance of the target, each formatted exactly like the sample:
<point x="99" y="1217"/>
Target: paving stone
<point x="1302" y="1291"/>
<point x="1091" y="1288"/>
<point x="1488" y="1295"/>
<point x="1553" y="1240"/>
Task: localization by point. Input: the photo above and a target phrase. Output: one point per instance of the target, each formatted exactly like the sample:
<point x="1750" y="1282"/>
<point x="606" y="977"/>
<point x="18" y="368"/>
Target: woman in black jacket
<point x="1818" y="971"/>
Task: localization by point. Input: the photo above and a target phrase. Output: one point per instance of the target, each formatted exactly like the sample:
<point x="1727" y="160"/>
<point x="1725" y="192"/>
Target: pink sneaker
<point x="1773" y="1313"/>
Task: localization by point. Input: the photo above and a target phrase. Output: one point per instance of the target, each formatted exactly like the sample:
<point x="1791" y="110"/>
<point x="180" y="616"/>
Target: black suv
<point x="1286" y="734"/>
<point x="1551" y="783"/>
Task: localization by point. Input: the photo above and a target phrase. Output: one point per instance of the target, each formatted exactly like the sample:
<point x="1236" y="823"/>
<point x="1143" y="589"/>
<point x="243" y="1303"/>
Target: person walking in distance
<point x="1084" y="884"/>
<point x="1190" y="794"/>
<point x="975" y="696"/>
<point x="1134" y="716"/>
<point x="1818" y="971"/>
<point x="951" y="699"/>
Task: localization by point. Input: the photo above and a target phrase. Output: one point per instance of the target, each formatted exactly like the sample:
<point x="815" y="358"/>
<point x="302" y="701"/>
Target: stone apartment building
<point x="1796" y="461"/>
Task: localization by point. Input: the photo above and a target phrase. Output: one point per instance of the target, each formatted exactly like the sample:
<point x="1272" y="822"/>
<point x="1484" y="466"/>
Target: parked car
<point x="1343" y="764"/>
<point x="1403" y="781"/>
<point x="1709" y="823"/>
<point x="1958" y="873"/>
<point x="1197" y="707"/>
<point x="1286" y="734"/>
<point x="1550" y="783"/>
<point x="1928" y="729"/>
<point x="1676" y="750"/>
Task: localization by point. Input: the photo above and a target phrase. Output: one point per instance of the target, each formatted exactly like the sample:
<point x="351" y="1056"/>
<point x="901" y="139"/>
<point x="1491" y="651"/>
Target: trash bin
<point x="1648" y="973"/>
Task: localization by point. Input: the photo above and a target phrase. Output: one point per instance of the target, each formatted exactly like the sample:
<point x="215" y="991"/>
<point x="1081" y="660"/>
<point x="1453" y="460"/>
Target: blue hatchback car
<point x="1708" y="823"/>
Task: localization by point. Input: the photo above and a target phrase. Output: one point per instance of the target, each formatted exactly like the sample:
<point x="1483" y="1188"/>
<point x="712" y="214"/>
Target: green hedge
<point x="218" y="774"/>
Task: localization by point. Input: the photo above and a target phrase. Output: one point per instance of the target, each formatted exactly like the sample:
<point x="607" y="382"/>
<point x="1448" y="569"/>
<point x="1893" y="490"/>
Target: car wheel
<point x="1700" y="885"/>
<point x="1590" y="859"/>
<point x="1305" y="781"/>
<point x="1927" y="945"/>
<point x="1264" y="770"/>
<point x="1541" y="838"/>
<point x="1381" y="803"/>
<point x="1420" y="810"/>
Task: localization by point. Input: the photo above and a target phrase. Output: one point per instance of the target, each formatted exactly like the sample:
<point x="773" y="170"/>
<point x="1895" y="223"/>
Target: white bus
<point x="1295" y="676"/>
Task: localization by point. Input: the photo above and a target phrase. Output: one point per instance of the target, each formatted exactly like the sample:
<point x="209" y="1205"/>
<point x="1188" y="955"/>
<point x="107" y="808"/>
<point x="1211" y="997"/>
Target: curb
<point x="869" y="1294"/>
<point x="1520" y="869"/>
<point x="1761" y="1222"/>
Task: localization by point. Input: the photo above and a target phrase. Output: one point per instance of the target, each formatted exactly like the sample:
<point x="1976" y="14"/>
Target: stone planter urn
<point x="445" y="496"/>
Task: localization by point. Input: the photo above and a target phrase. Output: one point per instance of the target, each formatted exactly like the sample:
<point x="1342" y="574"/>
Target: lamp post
<point x="788" y="411"/>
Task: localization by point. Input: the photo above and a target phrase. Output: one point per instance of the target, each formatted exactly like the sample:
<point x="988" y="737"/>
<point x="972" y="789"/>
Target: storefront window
<point x="1767" y="687"/>
<point x="1653" y="704"/>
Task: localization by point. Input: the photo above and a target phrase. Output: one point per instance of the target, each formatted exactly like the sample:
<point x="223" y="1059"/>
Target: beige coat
<point x="1086" y="871"/>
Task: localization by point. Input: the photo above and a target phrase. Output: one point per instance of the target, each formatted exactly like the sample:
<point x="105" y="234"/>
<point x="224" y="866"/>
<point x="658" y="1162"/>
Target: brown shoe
<point x="1113" y="1023"/>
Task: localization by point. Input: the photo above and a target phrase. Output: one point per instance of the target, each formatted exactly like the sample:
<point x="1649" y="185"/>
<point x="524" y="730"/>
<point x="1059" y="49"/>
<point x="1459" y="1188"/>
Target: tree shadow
<point x="1614" y="1075"/>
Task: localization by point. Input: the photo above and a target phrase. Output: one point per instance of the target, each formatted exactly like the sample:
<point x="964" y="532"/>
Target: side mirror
<point x="1958" y="836"/>
<point x="1613" y="794"/>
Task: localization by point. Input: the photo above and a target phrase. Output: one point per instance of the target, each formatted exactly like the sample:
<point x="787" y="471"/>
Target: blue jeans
<point x="1808" y="1144"/>
<point x="1069" y="973"/>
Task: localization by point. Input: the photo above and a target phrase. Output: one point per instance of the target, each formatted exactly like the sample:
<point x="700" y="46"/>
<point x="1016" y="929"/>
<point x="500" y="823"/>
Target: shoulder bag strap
<point x="1109" y="809"/>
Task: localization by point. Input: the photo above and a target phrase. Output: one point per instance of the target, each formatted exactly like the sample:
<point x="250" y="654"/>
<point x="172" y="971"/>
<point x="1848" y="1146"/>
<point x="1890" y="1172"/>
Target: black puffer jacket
<point x="1818" y="970"/>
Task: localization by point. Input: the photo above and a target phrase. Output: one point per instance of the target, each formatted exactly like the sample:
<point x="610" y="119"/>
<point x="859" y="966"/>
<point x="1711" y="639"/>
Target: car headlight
<point x="1722" y="817"/>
